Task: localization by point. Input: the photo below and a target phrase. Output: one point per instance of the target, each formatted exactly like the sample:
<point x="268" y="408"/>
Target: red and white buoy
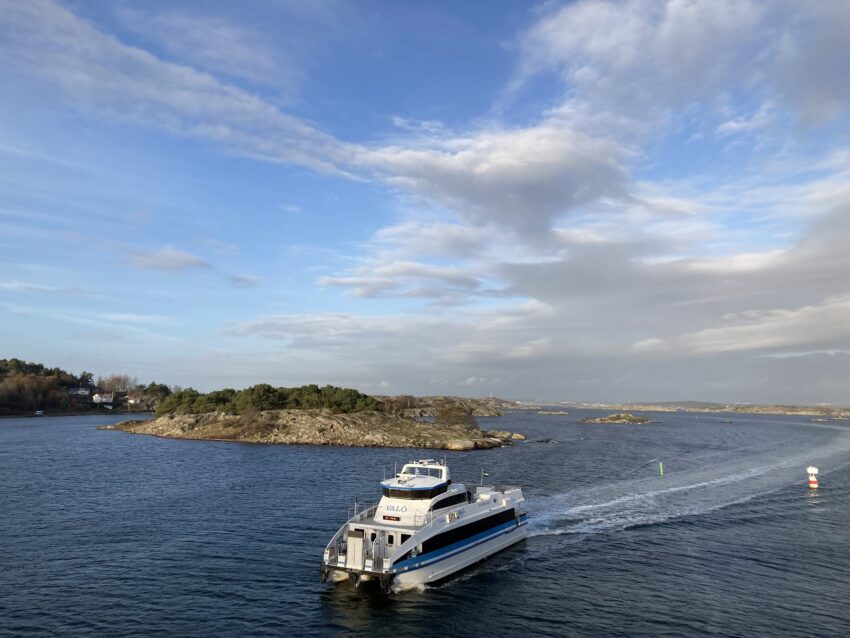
<point x="813" y="476"/>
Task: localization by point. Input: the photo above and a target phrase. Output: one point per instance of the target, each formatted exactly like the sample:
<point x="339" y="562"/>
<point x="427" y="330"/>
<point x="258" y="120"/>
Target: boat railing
<point x="336" y="549"/>
<point x="355" y="515"/>
<point x="421" y="520"/>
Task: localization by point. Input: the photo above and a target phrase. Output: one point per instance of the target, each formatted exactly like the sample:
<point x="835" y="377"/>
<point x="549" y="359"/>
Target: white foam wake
<point x="645" y="501"/>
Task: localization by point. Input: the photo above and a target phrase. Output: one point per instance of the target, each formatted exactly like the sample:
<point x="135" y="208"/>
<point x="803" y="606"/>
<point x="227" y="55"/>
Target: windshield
<point x="414" y="494"/>
<point x="422" y="471"/>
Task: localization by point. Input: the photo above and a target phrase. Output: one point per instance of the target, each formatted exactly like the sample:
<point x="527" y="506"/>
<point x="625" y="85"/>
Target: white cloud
<point x="28" y="287"/>
<point x="126" y="326"/>
<point x="427" y="127"/>
<point x="136" y="318"/>
<point x="166" y="259"/>
<point x="213" y="44"/>
<point x="632" y="63"/>
<point x="748" y="124"/>
<point x="634" y="57"/>
<point x="362" y="286"/>
<point x="737" y="263"/>
<point x="521" y="179"/>
<point x="473" y="381"/>
<point x="779" y="329"/>
<point x="220" y="247"/>
<point x="99" y="73"/>
<point x="402" y="278"/>
<point x="434" y="239"/>
<point x="810" y="67"/>
<point x="244" y="281"/>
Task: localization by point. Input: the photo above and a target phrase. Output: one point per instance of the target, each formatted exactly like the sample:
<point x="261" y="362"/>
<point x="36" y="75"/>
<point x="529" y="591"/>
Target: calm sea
<point x="110" y="534"/>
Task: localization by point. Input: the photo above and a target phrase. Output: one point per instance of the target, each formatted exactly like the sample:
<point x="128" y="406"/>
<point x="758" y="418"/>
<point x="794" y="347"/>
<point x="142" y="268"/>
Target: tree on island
<point x="266" y="397"/>
<point x="26" y="387"/>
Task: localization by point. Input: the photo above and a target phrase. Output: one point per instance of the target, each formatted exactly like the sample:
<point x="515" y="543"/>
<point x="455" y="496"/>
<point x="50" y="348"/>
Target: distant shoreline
<point x="30" y="415"/>
<point x="784" y="410"/>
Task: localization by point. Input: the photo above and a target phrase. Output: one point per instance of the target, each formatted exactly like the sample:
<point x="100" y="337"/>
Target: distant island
<point x="620" y="418"/>
<point x="310" y="415"/>
<point x="827" y="411"/>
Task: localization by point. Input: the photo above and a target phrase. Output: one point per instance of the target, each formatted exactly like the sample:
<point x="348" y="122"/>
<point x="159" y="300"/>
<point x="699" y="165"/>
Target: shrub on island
<point x="266" y="397"/>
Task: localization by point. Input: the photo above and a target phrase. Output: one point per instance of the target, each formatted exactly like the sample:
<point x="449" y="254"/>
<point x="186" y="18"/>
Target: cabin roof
<point x="418" y="482"/>
<point x="419" y="475"/>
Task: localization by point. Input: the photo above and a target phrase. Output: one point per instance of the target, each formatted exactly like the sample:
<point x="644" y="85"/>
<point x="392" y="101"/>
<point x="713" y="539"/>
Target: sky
<point x="588" y="201"/>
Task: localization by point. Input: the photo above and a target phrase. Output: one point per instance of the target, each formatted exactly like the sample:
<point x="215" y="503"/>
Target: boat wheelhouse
<point x="425" y="528"/>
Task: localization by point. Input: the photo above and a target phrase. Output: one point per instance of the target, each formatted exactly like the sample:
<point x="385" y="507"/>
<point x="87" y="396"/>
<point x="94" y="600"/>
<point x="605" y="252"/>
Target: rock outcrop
<point x="429" y="406"/>
<point x="319" y="427"/>
<point x="620" y="417"/>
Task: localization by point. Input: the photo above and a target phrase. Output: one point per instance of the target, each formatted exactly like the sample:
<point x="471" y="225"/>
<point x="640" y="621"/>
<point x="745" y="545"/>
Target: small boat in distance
<point x="424" y="529"/>
<point x="38" y="413"/>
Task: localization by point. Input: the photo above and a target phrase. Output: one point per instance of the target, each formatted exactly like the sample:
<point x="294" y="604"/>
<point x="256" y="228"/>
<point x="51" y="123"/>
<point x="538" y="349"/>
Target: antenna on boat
<point x="355" y="506"/>
<point x="395" y="468"/>
<point x="483" y="474"/>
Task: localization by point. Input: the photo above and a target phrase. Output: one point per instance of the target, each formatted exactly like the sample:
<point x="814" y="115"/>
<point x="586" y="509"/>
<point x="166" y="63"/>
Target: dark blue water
<point x="106" y="533"/>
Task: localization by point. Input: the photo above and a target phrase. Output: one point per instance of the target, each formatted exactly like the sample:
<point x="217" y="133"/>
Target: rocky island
<point x="620" y="418"/>
<point x="324" y="416"/>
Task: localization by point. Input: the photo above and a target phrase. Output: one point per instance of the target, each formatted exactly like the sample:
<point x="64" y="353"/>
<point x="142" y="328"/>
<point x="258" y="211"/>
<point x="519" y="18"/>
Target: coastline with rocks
<point x="320" y="427"/>
<point x="621" y="418"/>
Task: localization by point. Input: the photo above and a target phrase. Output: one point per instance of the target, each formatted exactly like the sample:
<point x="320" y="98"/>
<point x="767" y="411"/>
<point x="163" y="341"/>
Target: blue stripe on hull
<point x="456" y="548"/>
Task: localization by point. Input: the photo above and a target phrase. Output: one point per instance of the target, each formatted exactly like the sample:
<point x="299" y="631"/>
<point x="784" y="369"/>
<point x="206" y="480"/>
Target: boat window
<point x="422" y="471"/>
<point x="466" y="531"/>
<point x="405" y="538"/>
<point x="390" y="539"/>
<point x="449" y="501"/>
<point x="414" y="494"/>
<point x="460" y="534"/>
<point x="372" y="537"/>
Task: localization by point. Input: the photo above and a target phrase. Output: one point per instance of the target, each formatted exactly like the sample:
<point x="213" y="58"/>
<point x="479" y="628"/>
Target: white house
<point x="102" y="398"/>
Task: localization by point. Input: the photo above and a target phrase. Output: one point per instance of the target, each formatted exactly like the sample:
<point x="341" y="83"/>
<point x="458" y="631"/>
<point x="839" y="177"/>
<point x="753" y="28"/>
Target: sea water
<point x="113" y="534"/>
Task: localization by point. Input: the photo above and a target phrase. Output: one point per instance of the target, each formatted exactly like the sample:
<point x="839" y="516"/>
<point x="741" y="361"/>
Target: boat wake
<point x="647" y="501"/>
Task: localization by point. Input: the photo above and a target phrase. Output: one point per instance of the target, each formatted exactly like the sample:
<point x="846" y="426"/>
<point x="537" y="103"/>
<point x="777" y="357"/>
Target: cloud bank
<point x="670" y="221"/>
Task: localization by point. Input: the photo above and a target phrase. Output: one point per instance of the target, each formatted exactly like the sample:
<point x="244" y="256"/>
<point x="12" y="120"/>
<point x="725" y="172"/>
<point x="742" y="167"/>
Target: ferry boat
<point x="424" y="529"/>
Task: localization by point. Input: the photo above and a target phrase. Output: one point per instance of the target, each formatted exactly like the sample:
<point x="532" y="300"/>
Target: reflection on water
<point x="346" y="606"/>
<point x="813" y="497"/>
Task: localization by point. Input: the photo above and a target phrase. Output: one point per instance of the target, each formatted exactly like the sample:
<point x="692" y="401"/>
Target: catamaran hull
<point x="443" y="567"/>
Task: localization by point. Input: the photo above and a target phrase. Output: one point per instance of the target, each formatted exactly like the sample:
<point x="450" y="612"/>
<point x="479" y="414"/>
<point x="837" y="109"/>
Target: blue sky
<point x="578" y="200"/>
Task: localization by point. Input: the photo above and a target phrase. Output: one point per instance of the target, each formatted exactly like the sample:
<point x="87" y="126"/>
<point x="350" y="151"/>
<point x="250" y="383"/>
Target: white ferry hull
<point x="445" y="567"/>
